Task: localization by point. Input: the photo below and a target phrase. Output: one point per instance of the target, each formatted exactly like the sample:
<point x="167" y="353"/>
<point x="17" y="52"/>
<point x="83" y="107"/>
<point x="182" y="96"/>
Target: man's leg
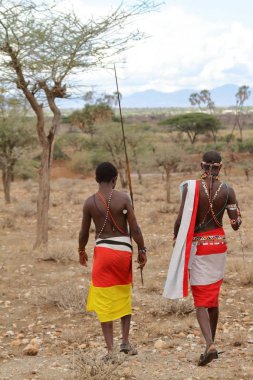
<point x="125" y="345"/>
<point x="125" y="327"/>
<point x="107" y="328"/>
<point x="204" y="323"/>
<point x="213" y="317"/>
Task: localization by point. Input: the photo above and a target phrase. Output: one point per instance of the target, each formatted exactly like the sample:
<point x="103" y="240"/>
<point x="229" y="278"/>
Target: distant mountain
<point x="223" y="96"/>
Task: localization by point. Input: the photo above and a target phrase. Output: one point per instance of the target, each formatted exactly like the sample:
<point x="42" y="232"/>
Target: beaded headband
<point x="212" y="164"/>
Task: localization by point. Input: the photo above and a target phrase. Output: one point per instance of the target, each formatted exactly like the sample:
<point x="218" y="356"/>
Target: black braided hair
<point x="105" y="172"/>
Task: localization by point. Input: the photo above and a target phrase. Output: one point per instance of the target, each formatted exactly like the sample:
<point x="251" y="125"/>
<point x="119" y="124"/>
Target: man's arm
<point x="84" y="234"/>
<point x="180" y="213"/>
<point x="233" y="210"/>
<point x="136" y="234"/>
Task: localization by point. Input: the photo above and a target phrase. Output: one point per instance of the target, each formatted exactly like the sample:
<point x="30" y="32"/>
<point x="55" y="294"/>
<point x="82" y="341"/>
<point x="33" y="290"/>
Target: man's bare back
<point x="120" y="207"/>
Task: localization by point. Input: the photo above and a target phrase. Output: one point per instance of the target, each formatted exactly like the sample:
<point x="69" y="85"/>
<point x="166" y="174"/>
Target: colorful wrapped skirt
<point x="206" y="267"/>
<point x="110" y="293"/>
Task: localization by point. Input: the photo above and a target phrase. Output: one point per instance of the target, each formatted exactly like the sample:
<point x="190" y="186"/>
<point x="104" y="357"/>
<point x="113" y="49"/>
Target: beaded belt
<point x="212" y="238"/>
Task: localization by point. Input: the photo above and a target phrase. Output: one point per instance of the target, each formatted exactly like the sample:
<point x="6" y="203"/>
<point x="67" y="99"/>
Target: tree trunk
<point x="43" y="198"/>
<point x="137" y="166"/>
<point x="44" y="174"/>
<point x="46" y="143"/>
<point x="240" y="129"/>
<point x="123" y="181"/>
<point x="246" y="171"/>
<point x="6" y="177"/>
<point x="139" y="175"/>
<point x="167" y="185"/>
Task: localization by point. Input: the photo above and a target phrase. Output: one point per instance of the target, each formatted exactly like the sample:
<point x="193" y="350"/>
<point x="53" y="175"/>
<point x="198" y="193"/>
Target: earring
<point x="204" y="175"/>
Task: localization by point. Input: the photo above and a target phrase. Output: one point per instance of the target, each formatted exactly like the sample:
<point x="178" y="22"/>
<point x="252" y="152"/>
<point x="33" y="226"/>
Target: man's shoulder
<point x="89" y="200"/>
<point x="227" y="186"/>
<point x="121" y="194"/>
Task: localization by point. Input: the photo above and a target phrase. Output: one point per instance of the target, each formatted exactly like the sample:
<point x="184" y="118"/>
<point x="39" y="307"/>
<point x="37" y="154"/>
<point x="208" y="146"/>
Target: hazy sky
<point x="193" y="44"/>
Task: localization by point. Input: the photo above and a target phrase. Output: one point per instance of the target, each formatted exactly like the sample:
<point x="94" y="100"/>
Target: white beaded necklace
<point x="107" y="213"/>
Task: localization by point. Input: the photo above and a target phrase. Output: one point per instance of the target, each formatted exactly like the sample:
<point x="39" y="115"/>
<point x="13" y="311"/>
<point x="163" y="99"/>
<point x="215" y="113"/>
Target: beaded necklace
<point x="210" y="200"/>
<point x="107" y="213"/>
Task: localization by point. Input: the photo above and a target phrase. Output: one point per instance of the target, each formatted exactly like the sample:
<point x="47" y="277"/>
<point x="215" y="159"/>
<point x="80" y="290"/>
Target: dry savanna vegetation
<point x="47" y="159"/>
<point x="45" y="332"/>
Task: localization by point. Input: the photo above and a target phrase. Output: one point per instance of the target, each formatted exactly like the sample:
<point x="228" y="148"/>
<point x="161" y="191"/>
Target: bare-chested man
<point x="203" y="205"/>
<point x="110" y="290"/>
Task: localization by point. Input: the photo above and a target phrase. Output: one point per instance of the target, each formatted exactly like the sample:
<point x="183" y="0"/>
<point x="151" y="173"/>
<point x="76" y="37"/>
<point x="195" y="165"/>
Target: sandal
<point x="128" y="349"/>
<point x="207" y="357"/>
<point x="108" y="358"/>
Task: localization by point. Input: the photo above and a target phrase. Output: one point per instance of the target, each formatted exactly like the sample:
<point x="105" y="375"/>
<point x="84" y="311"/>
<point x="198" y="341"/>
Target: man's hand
<point x="83" y="258"/>
<point x="142" y="258"/>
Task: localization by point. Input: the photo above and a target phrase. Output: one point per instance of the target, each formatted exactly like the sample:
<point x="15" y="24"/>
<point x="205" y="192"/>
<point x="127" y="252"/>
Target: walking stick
<point x="126" y="155"/>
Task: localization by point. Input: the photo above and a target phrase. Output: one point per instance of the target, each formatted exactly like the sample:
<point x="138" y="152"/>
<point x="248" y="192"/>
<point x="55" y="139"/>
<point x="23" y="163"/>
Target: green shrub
<point x="245" y="146"/>
<point x="26" y="169"/>
<point x="227" y="138"/>
<point x="58" y="152"/>
<point x="76" y="140"/>
<point x="219" y="146"/>
<point x="86" y="162"/>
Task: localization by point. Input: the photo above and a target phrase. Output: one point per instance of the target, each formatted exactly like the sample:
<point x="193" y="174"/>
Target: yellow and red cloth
<point x="110" y="294"/>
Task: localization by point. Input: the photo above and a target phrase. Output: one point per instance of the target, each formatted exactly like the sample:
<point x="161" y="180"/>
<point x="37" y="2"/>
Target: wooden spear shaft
<point x="125" y="149"/>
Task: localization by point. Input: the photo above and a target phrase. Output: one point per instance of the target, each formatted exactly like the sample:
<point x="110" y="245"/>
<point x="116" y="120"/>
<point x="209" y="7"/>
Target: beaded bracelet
<point x="142" y="250"/>
<point x="81" y="251"/>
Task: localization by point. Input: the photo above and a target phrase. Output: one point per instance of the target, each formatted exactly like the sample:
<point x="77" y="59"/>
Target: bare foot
<point x="211" y="348"/>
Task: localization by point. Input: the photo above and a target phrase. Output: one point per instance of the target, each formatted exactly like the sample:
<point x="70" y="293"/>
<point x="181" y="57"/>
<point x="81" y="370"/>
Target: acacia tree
<point x="95" y="111"/>
<point x="193" y="124"/>
<point x="39" y="49"/>
<point x="241" y="96"/>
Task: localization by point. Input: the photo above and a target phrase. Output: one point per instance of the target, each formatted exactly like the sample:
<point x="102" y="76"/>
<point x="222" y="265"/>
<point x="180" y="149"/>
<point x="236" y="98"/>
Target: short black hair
<point x="211" y="157"/>
<point x="105" y="172"/>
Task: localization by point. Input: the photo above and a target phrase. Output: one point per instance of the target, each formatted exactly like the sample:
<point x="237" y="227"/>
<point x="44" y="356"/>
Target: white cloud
<point x="185" y="50"/>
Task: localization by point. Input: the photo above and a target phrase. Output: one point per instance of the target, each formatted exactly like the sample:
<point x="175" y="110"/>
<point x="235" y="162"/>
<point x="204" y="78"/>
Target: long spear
<point x="125" y="149"/>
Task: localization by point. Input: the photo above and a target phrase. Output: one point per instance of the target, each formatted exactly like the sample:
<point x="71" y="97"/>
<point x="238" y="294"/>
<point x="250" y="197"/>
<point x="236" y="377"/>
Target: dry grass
<point x="26" y="209"/>
<point x="156" y="329"/>
<point x="75" y="335"/>
<point x="8" y="222"/>
<point x="241" y="270"/>
<point x="90" y="367"/>
<point x="162" y="307"/>
<point x="168" y="209"/>
<point x="164" y="328"/>
<point x="239" y="339"/>
<point x="246" y="277"/>
<point x="59" y="252"/>
<point x="65" y="296"/>
<point x="30" y="186"/>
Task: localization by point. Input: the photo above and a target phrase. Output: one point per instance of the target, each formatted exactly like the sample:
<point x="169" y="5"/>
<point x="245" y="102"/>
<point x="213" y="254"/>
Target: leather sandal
<point x="128" y="349"/>
<point x="207" y="357"/>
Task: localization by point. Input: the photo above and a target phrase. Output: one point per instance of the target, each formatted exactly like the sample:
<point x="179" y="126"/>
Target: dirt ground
<point x="42" y="303"/>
